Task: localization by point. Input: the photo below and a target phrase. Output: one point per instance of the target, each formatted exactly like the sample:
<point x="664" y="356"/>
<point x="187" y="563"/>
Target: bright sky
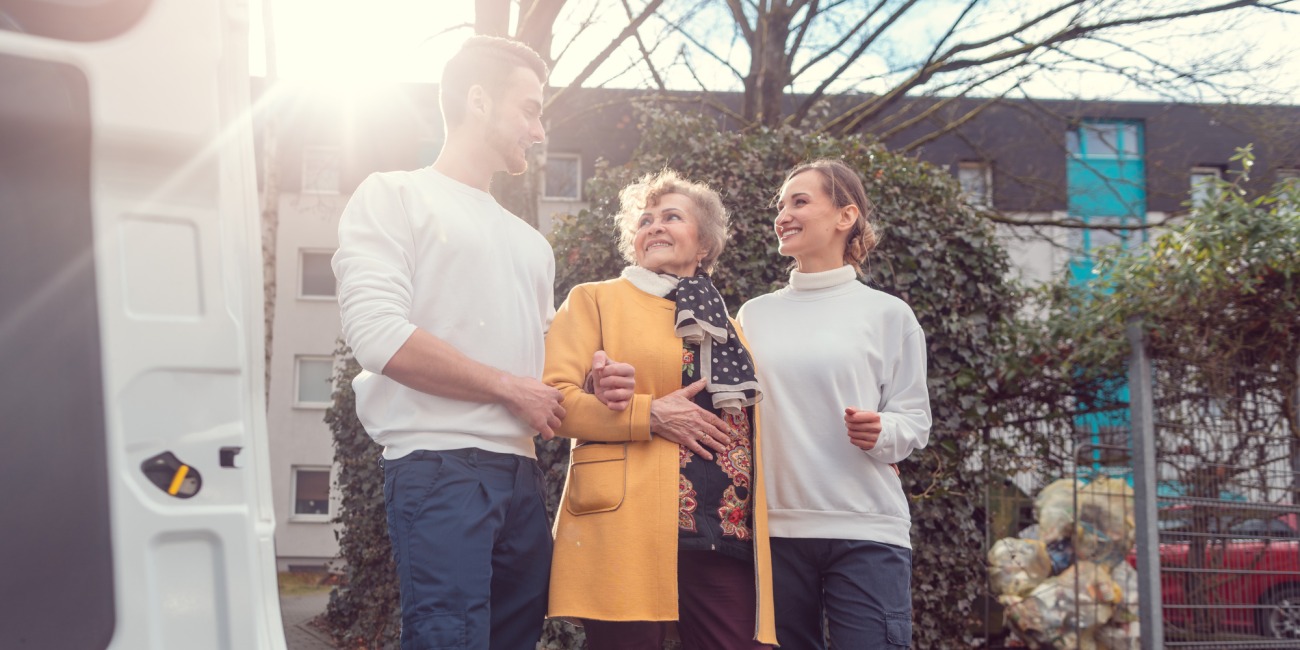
<point x="362" y="42"/>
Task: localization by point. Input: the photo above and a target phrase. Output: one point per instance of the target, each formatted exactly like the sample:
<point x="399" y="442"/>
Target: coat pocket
<point x="597" y="478"/>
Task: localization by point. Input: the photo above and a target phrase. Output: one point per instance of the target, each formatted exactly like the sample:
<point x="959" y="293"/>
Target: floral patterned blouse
<point x="714" y="512"/>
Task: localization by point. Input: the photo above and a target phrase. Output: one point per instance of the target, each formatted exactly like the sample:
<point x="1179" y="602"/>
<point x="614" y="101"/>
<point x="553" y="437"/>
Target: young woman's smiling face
<point x="668" y="237"/>
<point x="807" y="221"/>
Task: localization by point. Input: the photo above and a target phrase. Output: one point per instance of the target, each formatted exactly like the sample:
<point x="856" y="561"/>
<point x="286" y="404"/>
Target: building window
<point x="976" y="183"/>
<point x="1105" y="140"/>
<point x="320" y="170"/>
<point x="311" y="494"/>
<point x="1201" y="182"/>
<point x="563" y="176"/>
<point x="315" y="386"/>
<point x="316" y="275"/>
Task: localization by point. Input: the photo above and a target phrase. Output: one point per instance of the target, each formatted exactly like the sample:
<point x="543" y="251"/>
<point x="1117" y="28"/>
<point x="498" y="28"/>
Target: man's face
<point x="515" y="121"/>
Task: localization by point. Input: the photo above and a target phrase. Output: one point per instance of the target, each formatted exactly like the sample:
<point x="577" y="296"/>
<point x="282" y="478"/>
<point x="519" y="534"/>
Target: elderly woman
<point x="663" y="517"/>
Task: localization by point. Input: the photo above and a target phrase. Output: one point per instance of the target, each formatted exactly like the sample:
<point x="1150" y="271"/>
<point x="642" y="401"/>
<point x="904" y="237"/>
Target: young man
<point x="446" y="298"/>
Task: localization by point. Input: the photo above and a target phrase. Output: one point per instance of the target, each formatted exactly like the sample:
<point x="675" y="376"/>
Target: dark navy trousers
<point x="861" y="589"/>
<point x="472" y="547"/>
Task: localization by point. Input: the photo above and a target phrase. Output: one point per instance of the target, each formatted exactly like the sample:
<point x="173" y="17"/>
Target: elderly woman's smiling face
<point x="668" y="238"/>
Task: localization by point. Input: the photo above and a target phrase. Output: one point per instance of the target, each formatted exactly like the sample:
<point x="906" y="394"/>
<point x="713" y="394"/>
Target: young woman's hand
<point x="612" y="382"/>
<point x="864" y="428"/>
<point x="678" y="418"/>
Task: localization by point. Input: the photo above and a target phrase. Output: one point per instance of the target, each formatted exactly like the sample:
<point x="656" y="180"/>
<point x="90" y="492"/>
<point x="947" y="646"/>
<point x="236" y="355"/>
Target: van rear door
<point x="134" y="485"/>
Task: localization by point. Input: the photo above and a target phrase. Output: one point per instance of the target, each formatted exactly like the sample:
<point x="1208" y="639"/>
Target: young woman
<point x="842" y="367"/>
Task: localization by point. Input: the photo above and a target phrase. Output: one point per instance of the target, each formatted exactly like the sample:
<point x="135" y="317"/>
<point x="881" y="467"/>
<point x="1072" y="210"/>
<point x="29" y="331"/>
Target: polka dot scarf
<point x="726" y="365"/>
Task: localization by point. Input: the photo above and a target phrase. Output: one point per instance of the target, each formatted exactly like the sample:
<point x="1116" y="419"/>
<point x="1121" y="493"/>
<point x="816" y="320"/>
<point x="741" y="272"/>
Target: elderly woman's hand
<point x="612" y="382"/>
<point x="678" y="418"/>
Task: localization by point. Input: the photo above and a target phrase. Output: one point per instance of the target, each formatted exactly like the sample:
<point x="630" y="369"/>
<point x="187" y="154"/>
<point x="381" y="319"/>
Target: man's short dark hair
<point x="485" y="61"/>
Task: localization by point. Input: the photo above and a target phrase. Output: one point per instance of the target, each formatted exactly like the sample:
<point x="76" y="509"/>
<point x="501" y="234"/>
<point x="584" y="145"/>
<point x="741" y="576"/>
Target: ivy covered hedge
<point x="935" y="253"/>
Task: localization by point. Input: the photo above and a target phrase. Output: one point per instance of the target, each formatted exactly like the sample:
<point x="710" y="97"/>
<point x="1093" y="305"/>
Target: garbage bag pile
<point x="1072" y="588"/>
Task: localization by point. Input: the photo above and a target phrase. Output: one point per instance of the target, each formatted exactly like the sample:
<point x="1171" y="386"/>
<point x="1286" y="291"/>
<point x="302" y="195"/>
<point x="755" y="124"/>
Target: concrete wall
<point x="303" y="327"/>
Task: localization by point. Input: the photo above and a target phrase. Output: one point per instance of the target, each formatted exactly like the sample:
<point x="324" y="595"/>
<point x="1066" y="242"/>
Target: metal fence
<point x="1183" y="491"/>
<point x="1226" y="498"/>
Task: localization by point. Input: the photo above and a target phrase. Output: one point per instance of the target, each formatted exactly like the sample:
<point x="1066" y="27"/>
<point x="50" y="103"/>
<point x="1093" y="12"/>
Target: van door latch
<point x="172" y="476"/>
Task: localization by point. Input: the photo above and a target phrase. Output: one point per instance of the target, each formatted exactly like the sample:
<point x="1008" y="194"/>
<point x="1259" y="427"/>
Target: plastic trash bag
<point x="1062" y="613"/>
<point x="1126" y="578"/>
<point x="1029" y="532"/>
<point x="1054" y="509"/>
<point x="1062" y="554"/>
<point x="1120" y="636"/>
<point x="1105" y="530"/>
<point x="1016" y="566"/>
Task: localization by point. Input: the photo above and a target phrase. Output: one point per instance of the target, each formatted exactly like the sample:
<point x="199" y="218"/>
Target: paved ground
<point x="296" y="611"/>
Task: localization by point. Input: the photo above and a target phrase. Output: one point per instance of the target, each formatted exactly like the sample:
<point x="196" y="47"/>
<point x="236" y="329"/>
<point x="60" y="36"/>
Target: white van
<point x="135" y="508"/>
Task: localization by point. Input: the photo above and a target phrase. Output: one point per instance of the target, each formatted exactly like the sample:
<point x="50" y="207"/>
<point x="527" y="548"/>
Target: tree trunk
<point x="270" y="192"/>
<point x="521" y="194"/>
<point x="773" y="75"/>
<point x="492" y="18"/>
<point x="536" y="25"/>
<point x="749" y="101"/>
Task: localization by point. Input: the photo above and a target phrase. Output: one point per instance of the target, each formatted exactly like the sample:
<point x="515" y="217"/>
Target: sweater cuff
<point x="375" y="354"/>
<point x="884" y="444"/>
<point x="639" y="420"/>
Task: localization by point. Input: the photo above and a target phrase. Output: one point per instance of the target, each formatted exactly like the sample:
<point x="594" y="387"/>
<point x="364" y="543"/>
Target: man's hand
<point x="537" y="404"/>
<point x="864" y="428"/>
<point x="678" y="418"/>
<point x="613" y="382"/>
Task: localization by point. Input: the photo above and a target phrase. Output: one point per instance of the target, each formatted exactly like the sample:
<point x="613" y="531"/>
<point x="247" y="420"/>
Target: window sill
<point x="313" y="406"/>
<point x="319" y="298"/>
<point x="310" y="519"/>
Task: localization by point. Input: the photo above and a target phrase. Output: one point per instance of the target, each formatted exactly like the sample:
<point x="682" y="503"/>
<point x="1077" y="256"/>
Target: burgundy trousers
<point x="715" y="609"/>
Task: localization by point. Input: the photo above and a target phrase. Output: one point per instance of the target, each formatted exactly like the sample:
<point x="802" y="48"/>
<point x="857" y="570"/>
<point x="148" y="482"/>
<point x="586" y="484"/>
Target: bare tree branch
<point x="582" y="27"/>
<point x="631" y="28"/>
<point x="802" y="31"/>
<point x="710" y="52"/>
<point x="444" y="31"/>
<point x="659" y="81"/>
<point x="835" y="48"/>
<point x="852" y="58"/>
<point x="1074" y="224"/>
<point x="952" y="126"/>
<point x="712" y="99"/>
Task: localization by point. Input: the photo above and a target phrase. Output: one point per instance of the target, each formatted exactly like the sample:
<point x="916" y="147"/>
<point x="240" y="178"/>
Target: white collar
<point x="649" y="281"/>
<point x="823" y="280"/>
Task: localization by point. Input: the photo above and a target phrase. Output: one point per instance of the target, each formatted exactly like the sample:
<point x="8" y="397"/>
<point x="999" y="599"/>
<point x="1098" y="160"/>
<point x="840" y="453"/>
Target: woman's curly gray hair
<point x="646" y="191"/>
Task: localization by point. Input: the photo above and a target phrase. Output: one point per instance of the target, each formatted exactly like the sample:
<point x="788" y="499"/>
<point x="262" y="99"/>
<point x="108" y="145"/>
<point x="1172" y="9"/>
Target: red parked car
<point x="1248" y="584"/>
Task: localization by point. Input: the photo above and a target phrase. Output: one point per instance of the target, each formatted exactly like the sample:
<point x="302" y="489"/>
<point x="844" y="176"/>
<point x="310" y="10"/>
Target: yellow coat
<point x="616" y="534"/>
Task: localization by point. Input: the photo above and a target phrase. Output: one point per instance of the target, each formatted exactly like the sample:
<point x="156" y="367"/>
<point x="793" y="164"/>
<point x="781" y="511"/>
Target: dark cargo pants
<point x="862" y="589"/>
<point x="472" y="547"/>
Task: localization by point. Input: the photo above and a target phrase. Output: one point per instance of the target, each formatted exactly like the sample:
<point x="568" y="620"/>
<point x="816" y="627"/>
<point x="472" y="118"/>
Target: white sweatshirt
<point x="420" y="250"/>
<point x="823" y="344"/>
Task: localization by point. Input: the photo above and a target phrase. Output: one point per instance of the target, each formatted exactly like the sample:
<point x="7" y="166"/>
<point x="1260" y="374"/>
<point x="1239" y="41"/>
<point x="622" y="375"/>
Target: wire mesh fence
<point x="1061" y="528"/>
<point x="1226" y="457"/>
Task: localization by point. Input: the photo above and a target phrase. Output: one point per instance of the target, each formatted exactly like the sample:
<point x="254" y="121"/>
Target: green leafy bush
<point x="1219" y="290"/>
<point x="365" y="610"/>
<point x="935" y="253"/>
<point x="1220" y="286"/>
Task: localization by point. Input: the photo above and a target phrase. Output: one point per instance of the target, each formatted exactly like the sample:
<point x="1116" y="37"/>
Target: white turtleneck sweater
<point x="821" y="345"/>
